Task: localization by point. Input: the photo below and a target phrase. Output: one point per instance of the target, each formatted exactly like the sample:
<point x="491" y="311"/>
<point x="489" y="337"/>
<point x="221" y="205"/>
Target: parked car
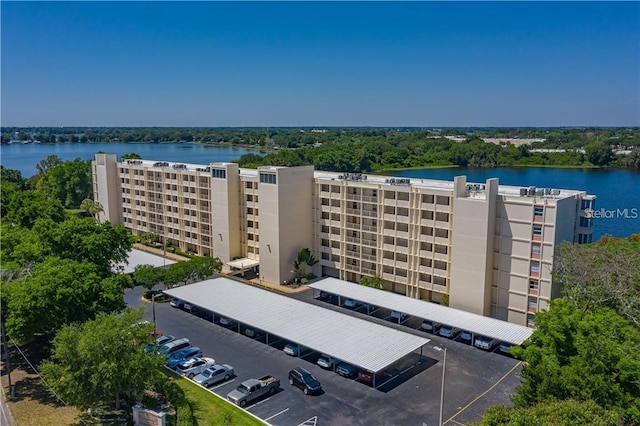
<point x="226" y="322"/>
<point x="190" y="308"/>
<point x="430" y="326"/>
<point x="253" y="333"/>
<point x="214" y="374"/>
<point x="398" y="316"/>
<point x="301" y="378"/>
<point x="346" y="370"/>
<point x="176" y="303"/>
<point x="484" y="342"/>
<point x="252" y="389"/>
<point x="505" y="348"/>
<point x="173" y="346"/>
<point x="351" y="304"/>
<point x="448" y="331"/>
<point x="292" y="349"/>
<point x="367" y="376"/>
<point x="162" y="340"/>
<point x="465" y="335"/>
<point x="182" y="355"/>
<point x="325" y="361"/>
<point x="327" y="296"/>
<point x="194" y="366"/>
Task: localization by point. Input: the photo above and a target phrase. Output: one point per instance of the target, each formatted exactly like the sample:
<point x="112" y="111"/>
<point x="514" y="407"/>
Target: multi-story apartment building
<point x="484" y="247"/>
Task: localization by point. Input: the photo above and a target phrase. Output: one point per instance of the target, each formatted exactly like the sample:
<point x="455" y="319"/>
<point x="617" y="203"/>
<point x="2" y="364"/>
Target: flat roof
<point x="139" y="257"/>
<point x="353" y="340"/>
<point x="243" y="263"/>
<point x="477" y="324"/>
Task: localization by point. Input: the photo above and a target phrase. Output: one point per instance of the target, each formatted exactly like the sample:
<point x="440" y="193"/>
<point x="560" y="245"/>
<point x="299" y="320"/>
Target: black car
<point x="301" y="378"/>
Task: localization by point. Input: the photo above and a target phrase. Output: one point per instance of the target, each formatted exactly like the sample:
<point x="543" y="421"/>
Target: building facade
<point x="481" y="247"/>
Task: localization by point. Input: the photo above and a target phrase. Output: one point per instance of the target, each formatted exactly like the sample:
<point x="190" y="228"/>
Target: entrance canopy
<point x="477" y="324"/>
<point x="244" y="263"/>
<point x="358" y="342"/>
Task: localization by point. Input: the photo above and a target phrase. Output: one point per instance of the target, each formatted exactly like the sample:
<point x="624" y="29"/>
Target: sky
<point x="423" y="64"/>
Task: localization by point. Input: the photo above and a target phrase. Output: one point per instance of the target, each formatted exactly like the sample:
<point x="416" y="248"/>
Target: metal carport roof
<point x="139" y="257"/>
<point x="353" y="340"/>
<point x="477" y="324"/>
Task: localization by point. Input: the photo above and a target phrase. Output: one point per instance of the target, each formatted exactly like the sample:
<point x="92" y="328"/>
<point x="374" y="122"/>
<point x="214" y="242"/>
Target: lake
<point x="618" y="191"/>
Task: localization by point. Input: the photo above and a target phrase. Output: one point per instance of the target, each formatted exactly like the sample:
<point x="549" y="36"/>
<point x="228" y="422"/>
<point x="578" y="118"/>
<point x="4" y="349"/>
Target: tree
<point x="555" y="413"/>
<point x="305" y="258"/>
<point x="581" y="355"/>
<point x="148" y="276"/>
<point x="599" y="153"/>
<point x="603" y="274"/>
<point x="200" y="268"/>
<point x="94" y="208"/>
<point x="44" y="165"/>
<point x="68" y="181"/>
<point x="59" y="292"/>
<point x="373" y="282"/>
<point x="83" y="239"/>
<point x="24" y="208"/>
<point x="102" y="362"/>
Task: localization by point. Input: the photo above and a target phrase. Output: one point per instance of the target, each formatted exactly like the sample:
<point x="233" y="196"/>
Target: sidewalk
<point x="301" y="288"/>
<point x="6" y="419"/>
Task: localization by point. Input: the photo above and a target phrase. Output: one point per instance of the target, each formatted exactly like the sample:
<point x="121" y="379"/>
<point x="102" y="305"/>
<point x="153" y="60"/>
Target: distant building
<point x="486" y="247"/>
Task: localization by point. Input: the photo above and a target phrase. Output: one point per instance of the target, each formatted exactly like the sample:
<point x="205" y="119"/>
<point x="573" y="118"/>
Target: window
<point x="536" y="249"/>
<point x="535" y="267"/>
<point x="219" y="173"/>
<point x="537" y="230"/>
<point x="538" y="210"/>
<point x="534" y="285"/>
<point x="268" y="178"/>
<point x="586" y="222"/>
<point x="586" y="204"/>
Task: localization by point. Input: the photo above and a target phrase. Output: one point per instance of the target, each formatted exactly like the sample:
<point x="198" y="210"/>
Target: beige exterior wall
<point x="487" y="248"/>
<point x="286" y="219"/>
<point x="226" y="212"/>
<point x="472" y="249"/>
<point x="106" y="187"/>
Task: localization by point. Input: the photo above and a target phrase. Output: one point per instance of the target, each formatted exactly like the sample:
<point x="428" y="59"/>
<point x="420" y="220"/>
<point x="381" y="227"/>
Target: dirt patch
<point x="32" y="403"/>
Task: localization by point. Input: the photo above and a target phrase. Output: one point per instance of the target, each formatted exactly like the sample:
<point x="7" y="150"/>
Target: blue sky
<point x="320" y="64"/>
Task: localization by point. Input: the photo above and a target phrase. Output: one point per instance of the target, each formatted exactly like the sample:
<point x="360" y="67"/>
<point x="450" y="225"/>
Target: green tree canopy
<point x="582" y="355"/>
<point x="557" y="413"/>
<point x="606" y="273"/>
<point x="68" y="181"/>
<point x="373" y="282"/>
<point x="57" y="292"/>
<point x="102" y="362"/>
<point x="148" y="276"/>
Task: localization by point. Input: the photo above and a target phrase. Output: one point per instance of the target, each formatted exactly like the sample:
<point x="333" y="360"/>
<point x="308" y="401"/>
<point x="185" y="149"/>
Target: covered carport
<point x="139" y="257"/>
<point x="476" y="324"/>
<point x="240" y="266"/>
<point x="361" y="343"/>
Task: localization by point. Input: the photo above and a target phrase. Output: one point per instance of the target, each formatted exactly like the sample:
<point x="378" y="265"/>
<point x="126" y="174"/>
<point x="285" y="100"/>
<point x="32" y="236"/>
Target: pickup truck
<point x="252" y="389"/>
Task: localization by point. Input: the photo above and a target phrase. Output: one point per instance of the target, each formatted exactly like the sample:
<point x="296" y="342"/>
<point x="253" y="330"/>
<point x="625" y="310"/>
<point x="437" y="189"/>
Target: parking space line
<point x="483" y="393"/>
<point x="276" y="414"/>
<point x="257" y="403"/>
<point x="222" y="384"/>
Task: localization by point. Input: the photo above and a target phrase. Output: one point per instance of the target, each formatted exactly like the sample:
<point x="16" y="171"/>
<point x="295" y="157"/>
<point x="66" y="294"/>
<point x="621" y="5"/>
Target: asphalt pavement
<point x="475" y="379"/>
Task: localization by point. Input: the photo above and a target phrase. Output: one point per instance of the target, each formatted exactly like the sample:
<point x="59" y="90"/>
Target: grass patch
<point x="209" y="409"/>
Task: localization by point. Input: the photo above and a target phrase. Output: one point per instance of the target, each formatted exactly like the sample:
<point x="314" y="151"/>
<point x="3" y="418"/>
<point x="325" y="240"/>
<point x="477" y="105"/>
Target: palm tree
<point x="304" y="259"/>
<point x="94" y="208"/>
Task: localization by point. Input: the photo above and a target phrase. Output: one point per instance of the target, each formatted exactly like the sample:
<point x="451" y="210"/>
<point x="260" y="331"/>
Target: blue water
<point x="24" y="157"/>
<point x="616" y="189"/>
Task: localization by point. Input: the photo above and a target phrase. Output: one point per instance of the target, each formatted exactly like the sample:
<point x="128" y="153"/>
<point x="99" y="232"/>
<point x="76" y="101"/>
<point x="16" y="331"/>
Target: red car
<point x="367" y="376"/>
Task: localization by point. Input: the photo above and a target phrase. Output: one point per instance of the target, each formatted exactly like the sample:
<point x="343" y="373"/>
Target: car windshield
<point x="243" y="389"/>
<point x="307" y="377"/>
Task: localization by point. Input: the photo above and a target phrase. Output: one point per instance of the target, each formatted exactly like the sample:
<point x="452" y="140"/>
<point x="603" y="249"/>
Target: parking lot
<point x="475" y="379"/>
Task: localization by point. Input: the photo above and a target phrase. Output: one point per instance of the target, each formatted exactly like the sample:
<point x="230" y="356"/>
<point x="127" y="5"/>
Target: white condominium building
<point x="481" y="247"/>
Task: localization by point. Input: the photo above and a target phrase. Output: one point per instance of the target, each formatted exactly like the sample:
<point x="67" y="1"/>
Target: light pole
<point x="153" y="309"/>
<point x="444" y="367"/>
